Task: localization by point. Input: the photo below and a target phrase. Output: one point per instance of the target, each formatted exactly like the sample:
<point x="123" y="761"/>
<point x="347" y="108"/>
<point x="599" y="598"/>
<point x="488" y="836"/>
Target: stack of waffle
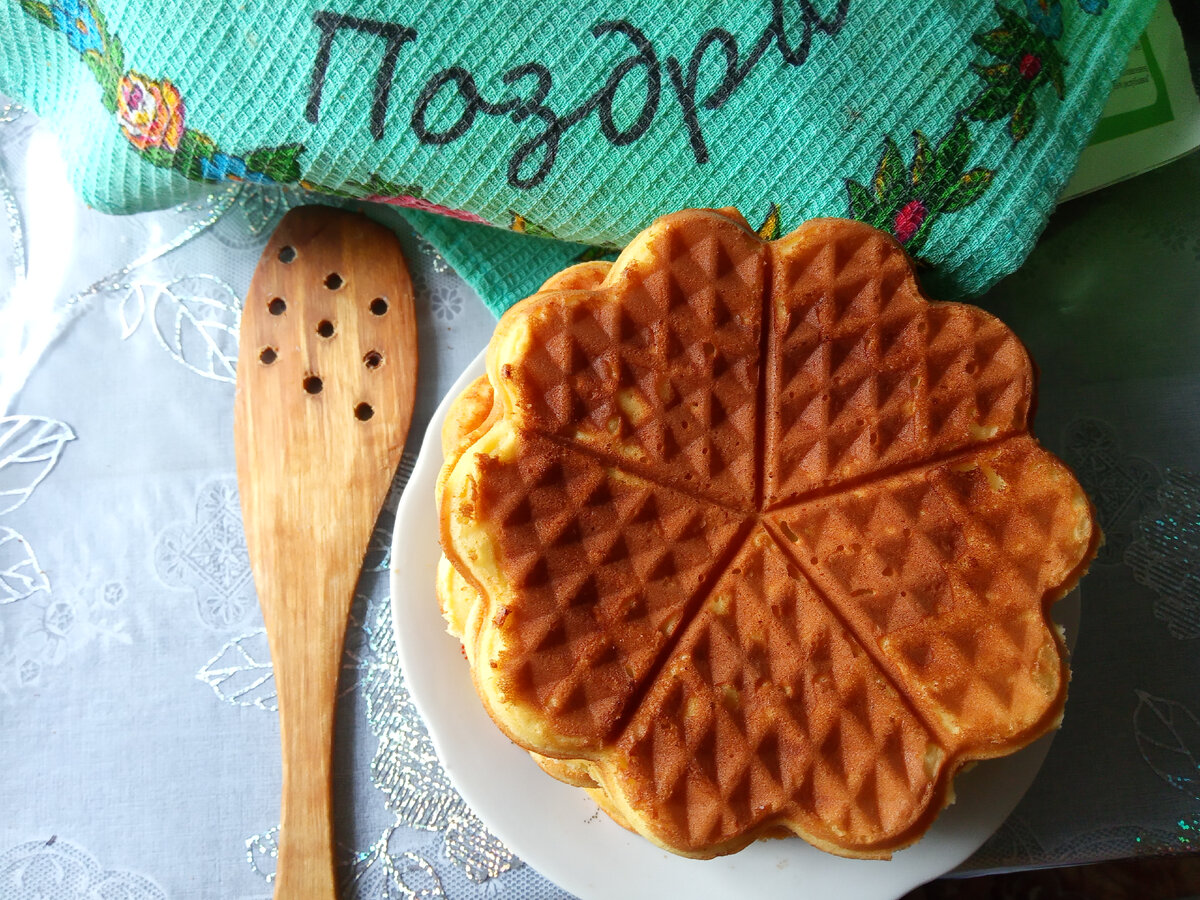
<point x="750" y="538"/>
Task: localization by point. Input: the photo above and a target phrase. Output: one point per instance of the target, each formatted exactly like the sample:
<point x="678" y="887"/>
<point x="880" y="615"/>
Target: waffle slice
<point x="770" y="710"/>
<point x="865" y="375"/>
<point x="588" y="570"/>
<point x="811" y="617"/>
<point x="936" y="565"/>
<point x="665" y="384"/>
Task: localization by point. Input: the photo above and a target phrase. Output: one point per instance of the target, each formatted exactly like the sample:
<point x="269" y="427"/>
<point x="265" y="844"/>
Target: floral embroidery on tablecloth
<point x="40" y="633"/>
<point x="406" y="768"/>
<point x="241" y="674"/>
<point x="208" y="557"/>
<point x="36" y="628"/>
<point x="1168" y="737"/>
<point x="1165" y="553"/>
<point x="29" y="449"/>
<point x="389" y="872"/>
<point x="55" y="869"/>
<point x="1120" y="484"/>
<point x="195" y="319"/>
<point x="262" y="853"/>
<point x="256" y="210"/>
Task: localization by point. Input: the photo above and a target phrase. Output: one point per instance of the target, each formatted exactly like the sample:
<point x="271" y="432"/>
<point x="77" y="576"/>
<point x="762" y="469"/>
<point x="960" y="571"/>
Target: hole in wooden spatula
<point x="312" y="384"/>
<point x="268" y="356"/>
<point x="333" y="281"/>
<point x="287" y="254"/>
<point x="373" y="359"/>
<point x="277" y="306"/>
<point x="363" y="411"/>
<point x="379" y="306"/>
<point x="325" y="328"/>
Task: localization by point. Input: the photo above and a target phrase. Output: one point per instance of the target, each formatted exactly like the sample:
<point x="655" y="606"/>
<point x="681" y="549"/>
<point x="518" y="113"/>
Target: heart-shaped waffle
<point x="751" y="536"/>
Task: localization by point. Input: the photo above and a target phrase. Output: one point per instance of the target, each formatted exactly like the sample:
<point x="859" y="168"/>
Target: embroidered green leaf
<point x="769" y="229"/>
<point x="921" y="235"/>
<point x="1011" y="21"/>
<point x="1000" y="42"/>
<point x="377" y="185"/>
<point x="105" y="37"/>
<point x="999" y="74"/>
<point x="934" y="184"/>
<point x="39" y="11"/>
<point x="952" y="153"/>
<point x="277" y="163"/>
<point x="889" y="175"/>
<point x="922" y="157"/>
<point x="350" y="191"/>
<point x="108" y="66"/>
<point x="991" y="105"/>
<point x="104" y="76"/>
<point x="862" y="204"/>
<point x="1022" y="118"/>
<point x="159" y="156"/>
<point x="193" y="147"/>
<point x="197" y="144"/>
<point x="594" y="253"/>
<point x="1054" y="70"/>
<point x="1026" y="58"/>
<point x="116" y="55"/>
<point x="1056" y="79"/>
<point x="969" y="188"/>
<point x="524" y="226"/>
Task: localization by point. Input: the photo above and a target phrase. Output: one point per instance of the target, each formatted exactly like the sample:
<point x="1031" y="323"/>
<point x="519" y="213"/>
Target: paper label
<point x="1152" y="116"/>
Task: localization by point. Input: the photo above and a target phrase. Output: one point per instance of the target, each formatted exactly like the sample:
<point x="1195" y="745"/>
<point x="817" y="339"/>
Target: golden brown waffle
<point x="749" y="537"/>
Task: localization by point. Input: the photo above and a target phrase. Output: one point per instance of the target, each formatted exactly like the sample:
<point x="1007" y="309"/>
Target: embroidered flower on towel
<point x="223" y="167"/>
<point x="74" y="19"/>
<point x="907" y="199"/>
<point x="1047" y="16"/>
<point x="150" y="112"/>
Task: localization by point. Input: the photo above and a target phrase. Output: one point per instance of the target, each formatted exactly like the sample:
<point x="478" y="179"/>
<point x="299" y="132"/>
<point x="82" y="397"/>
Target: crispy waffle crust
<point x="750" y="537"/>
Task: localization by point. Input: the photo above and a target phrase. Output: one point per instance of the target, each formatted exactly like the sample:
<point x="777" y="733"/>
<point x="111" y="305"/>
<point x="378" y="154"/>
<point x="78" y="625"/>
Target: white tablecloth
<point x="138" y="736"/>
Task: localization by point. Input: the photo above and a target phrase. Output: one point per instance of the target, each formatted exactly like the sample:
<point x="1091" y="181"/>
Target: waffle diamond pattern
<point x="939" y="566"/>
<point x="605" y="565"/>
<point x="768" y="707"/>
<point x="666" y="382"/>
<point x="864" y="375"/>
<point x="797" y="591"/>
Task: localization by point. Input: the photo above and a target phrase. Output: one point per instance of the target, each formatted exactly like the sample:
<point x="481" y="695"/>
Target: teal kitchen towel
<point x="952" y="125"/>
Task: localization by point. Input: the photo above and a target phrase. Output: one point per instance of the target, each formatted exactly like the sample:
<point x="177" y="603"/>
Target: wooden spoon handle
<point x="306" y="684"/>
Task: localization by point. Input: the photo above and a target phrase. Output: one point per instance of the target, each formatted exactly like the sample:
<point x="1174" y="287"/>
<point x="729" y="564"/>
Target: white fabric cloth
<point x="138" y="739"/>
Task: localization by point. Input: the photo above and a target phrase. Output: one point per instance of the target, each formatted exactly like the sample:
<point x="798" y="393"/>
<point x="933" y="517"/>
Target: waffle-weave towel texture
<point x="954" y="126"/>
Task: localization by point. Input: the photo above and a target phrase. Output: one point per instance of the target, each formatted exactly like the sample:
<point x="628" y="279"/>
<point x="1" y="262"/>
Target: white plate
<point x="558" y="830"/>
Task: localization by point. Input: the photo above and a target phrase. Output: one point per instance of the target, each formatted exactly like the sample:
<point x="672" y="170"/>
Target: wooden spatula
<point x="327" y="373"/>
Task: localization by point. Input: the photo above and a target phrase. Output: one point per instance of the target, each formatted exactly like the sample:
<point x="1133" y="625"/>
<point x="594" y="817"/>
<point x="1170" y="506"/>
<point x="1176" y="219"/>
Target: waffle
<point x="750" y="538"/>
